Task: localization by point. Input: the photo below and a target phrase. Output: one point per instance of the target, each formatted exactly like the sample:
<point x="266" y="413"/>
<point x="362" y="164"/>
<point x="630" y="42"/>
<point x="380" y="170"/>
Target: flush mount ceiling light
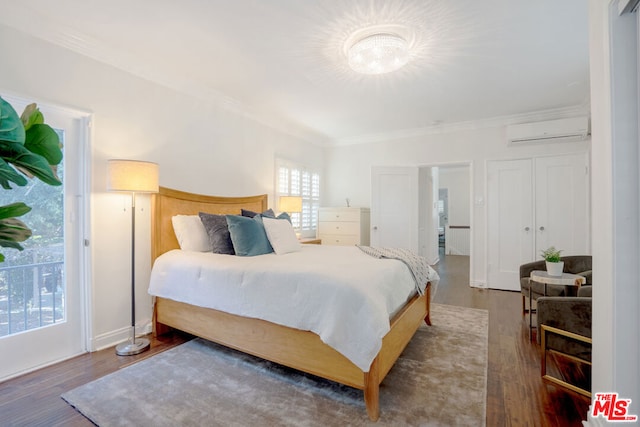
<point x="377" y="50"/>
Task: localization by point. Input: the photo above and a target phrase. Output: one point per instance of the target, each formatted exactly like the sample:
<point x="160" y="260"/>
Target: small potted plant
<point x="552" y="257"/>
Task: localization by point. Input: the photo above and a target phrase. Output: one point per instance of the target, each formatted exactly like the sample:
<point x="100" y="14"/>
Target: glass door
<point x="41" y="287"/>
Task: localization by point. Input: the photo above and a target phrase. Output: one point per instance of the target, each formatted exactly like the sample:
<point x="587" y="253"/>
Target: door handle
<point x="541" y="228"/>
<point x="375" y="227"/>
<point x="526" y="229"/>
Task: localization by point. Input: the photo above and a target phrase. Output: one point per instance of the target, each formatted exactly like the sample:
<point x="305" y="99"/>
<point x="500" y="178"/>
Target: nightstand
<point x="311" y="241"/>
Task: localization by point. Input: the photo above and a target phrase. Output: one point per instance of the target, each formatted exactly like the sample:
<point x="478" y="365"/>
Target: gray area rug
<point x="439" y="380"/>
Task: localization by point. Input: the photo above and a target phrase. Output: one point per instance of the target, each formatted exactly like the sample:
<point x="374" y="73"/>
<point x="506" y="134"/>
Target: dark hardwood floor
<point x="516" y="395"/>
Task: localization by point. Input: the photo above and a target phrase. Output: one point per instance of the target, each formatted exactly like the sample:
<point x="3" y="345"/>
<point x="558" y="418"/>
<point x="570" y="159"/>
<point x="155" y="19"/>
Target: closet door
<point x="533" y="204"/>
<point x="561" y="204"/>
<point x="510" y="234"/>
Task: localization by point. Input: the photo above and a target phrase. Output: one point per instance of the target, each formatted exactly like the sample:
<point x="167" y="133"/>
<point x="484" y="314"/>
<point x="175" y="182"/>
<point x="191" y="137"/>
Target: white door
<point x="41" y="302"/>
<point x="394" y="207"/>
<point x="510" y="234"/>
<point x="561" y="208"/>
<point x="534" y="204"/>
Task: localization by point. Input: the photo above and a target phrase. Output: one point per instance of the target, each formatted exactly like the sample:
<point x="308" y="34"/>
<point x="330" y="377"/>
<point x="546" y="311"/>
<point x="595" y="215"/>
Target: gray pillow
<point x="218" y="231"/>
<point x="250" y="214"/>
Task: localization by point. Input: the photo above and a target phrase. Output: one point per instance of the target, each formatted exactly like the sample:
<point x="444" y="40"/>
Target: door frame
<point x="83" y="174"/>
<point x="468" y="163"/>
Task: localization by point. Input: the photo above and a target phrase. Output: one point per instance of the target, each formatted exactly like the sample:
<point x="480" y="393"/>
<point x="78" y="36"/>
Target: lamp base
<point x="131" y="348"/>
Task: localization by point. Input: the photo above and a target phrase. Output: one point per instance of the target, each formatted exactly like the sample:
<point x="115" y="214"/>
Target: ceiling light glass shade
<point x="378" y="54"/>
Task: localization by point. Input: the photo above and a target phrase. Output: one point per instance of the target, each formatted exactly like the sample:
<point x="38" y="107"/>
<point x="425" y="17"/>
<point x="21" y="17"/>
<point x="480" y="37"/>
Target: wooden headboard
<point x="167" y="203"/>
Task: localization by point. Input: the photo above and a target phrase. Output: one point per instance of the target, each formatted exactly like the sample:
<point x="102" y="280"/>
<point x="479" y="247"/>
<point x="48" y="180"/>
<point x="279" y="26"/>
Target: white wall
<point x="347" y="172"/>
<point x="200" y="147"/>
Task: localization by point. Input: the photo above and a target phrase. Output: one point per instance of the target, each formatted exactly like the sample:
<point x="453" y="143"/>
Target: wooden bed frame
<point x="301" y="350"/>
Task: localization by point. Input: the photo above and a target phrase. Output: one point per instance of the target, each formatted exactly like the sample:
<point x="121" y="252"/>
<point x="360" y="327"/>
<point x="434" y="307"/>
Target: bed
<point x="299" y="349"/>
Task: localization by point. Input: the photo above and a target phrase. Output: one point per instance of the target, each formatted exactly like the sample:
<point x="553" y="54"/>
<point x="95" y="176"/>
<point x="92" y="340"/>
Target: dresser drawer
<point x="339" y="215"/>
<point x="335" y="227"/>
<point x="340" y="240"/>
<point x="341" y="225"/>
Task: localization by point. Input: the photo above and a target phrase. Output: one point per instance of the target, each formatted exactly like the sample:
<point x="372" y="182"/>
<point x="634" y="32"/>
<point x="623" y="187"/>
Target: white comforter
<point x="338" y="292"/>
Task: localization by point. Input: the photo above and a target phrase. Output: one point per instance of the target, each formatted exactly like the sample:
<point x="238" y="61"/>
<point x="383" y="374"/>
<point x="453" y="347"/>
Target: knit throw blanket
<point x="418" y="265"/>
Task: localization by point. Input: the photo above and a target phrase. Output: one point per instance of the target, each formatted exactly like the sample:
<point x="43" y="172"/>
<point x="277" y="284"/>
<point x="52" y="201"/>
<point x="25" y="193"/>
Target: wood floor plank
<point x="516" y="394"/>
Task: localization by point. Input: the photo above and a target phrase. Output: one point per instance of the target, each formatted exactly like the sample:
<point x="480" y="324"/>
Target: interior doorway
<point x="454" y="209"/>
<point x="443" y="216"/>
<point x="405" y="209"/>
<point x="445" y="196"/>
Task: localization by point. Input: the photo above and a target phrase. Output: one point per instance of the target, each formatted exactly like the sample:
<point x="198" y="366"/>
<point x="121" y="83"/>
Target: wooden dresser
<point x="344" y="226"/>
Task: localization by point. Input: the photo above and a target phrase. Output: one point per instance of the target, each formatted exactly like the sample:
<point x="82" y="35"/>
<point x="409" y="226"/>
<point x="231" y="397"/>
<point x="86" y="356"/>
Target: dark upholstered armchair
<point x="575" y="264"/>
<point x="564" y="325"/>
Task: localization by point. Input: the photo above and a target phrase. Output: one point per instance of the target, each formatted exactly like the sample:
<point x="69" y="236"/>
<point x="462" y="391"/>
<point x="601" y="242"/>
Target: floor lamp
<point x="132" y="176"/>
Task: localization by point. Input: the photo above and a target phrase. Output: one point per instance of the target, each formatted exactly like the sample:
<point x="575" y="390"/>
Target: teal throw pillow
<point x="284" y="215"/>
<point x="248" y="235"/>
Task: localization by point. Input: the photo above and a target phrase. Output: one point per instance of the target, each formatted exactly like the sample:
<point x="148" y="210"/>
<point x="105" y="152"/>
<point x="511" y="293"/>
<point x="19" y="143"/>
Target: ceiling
<point x="283" y="63"/>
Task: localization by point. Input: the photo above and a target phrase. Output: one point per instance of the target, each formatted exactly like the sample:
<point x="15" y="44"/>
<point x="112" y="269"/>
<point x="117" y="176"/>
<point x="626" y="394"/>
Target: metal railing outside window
<point x="31" y="296"/>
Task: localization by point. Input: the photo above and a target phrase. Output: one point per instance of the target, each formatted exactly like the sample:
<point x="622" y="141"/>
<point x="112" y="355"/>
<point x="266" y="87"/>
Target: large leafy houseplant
<point x="28" y="148"/>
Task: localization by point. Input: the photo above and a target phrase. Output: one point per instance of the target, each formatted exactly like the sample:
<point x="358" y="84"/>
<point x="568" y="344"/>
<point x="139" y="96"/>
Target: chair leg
<point x="544" y="330"/>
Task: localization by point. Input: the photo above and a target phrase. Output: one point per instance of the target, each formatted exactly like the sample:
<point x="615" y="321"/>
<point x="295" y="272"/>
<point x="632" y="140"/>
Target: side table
<point x="566" y="279"/>
<point x="311" y="241"/>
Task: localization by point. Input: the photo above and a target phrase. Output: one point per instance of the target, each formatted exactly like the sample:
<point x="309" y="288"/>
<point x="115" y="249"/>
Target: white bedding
<point x="338" y="292"/>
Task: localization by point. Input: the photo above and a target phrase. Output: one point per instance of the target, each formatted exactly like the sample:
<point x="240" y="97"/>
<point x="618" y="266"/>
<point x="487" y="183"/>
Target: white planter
<point x="555" y="268"/>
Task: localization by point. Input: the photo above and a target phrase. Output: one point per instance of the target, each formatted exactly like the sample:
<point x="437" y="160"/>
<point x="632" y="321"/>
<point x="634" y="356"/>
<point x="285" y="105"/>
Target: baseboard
<point x="109" y="339"/>
<point x="35" y="368"/>
<point x="478" y="284"/>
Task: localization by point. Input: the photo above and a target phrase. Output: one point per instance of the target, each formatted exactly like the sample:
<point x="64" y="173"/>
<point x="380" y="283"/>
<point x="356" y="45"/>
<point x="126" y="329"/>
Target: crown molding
<point x="440" y="128"/>
<point x="130" y="64"/>
<point x="55" y="33"/>
<point x="40" y="27"/>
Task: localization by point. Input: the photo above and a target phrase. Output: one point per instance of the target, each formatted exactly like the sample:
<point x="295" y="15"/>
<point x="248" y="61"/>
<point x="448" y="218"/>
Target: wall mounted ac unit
<point x="561" y="130"/>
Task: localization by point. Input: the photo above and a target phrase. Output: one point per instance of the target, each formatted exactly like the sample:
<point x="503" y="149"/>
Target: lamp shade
<point x="132" y="175"/>
<point x="290" y="204"/>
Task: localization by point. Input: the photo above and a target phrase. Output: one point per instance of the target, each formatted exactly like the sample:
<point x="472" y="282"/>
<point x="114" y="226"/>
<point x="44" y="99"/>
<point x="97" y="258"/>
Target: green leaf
<point x="9" y="174"/>
<point x="31" y="116"/>
<point x="28" y="162"/>
<point x="43" y="140"/>
<point x="13" y="209"/>
<point x="12" y="231"/>
<point x="11" y="129"/>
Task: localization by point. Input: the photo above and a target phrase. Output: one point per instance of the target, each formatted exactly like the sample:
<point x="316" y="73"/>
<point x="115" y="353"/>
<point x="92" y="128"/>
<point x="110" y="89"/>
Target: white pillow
<point x="281" y="235"/>
<point x="190" y="233"/>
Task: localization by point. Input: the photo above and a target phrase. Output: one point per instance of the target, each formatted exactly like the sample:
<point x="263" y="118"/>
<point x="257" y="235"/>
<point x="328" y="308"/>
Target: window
<point x="296" y="180"/>
<point x="32" y="286"/>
